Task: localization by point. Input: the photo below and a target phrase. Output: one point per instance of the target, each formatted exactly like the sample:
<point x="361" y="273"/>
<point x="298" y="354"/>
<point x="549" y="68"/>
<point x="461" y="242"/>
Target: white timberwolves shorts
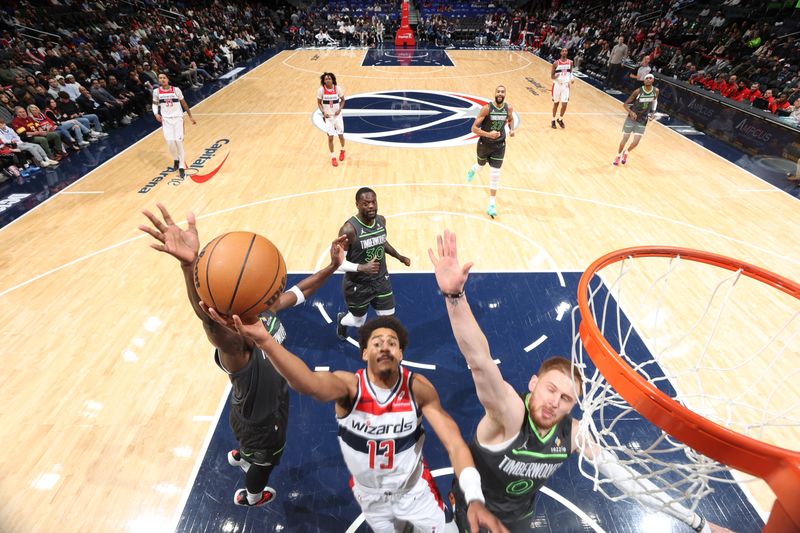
<point x="561" y="92"/>
<point x="173" y="128"/>
<point x="334" y="125"/>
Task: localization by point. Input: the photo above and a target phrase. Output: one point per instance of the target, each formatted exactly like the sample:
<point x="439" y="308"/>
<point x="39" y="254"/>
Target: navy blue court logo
<point x="410" y="119"/>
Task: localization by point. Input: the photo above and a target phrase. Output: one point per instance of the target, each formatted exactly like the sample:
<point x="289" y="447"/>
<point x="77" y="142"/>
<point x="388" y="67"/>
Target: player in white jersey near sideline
<point x="379" y="410"/>
<point x="330" y="100"/>
<point x="562" y="77"/>
<point x="168" y="108"/>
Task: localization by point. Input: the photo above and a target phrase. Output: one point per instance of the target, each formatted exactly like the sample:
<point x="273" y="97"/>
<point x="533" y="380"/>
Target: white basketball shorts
<point x="560" y="92"/>
<point x="172" y="128"/>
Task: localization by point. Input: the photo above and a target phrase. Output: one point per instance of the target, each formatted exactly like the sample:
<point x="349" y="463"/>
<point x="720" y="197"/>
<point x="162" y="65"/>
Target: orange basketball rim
<point x="779" y="467"/>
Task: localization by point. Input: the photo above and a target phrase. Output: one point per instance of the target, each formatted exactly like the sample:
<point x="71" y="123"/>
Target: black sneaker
<point x="182" y="172"/>
<point x="553" y="124"/>
<point x="240" y="497"/>
<point x="561" y="123"/>
<point x="174" y="166"/>
<point x="341" y="330"/>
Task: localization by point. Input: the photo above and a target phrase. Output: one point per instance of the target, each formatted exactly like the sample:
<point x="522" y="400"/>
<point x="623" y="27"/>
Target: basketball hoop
<point x="625" y="381"/>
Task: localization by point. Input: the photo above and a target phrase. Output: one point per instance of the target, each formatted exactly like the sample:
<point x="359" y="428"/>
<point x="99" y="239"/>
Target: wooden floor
<point x="108" y="387"/>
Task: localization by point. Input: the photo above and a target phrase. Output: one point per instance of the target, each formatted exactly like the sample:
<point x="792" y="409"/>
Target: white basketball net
<point x="685" y="312"/>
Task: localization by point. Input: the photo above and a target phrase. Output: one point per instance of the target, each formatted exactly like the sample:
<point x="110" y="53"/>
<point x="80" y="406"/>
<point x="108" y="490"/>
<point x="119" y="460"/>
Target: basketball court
<point x="114" y="414"/>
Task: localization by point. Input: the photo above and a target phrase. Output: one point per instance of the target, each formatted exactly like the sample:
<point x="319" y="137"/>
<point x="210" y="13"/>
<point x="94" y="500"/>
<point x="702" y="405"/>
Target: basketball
<point x="240" y="273"/>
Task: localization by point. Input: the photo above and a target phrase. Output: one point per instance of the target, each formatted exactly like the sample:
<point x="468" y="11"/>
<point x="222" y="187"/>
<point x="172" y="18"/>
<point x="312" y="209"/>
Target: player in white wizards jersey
<point x="380" y="410"/>
<point x="168" y="108"/>
<point x="562" y="77"/>
<point x="330" y="100"/>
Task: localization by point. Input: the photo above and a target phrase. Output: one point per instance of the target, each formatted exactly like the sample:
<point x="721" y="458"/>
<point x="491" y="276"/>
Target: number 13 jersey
<point x="382" y="441"/>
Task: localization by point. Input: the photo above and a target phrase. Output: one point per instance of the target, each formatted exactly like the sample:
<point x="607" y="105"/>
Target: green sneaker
<point x="470" y="175"/>
<point x="492" y="211"/>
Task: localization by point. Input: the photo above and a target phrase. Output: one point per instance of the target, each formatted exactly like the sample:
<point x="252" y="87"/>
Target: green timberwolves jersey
<point x="511" y="477"/>
<point x="495" y="121"/>
<point x="369" y="245"/>
<point x="643" y="103"/>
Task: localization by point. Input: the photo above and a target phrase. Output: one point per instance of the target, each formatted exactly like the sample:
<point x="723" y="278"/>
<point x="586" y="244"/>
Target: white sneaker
<point x="44" y="163"/>
<point x="101" y="134"/>
<point x="83" y="143"/>
<point x="52" y="163"/>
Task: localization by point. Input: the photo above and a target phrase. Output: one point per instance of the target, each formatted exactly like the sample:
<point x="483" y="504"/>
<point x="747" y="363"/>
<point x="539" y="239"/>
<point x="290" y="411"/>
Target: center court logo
<point x="194" y="169"/>
<point x="410" y="119"/>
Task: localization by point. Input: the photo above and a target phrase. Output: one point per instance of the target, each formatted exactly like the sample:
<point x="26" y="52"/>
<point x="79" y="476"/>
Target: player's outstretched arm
<point x="312" y="283"/>
<point x="322" y="386"/>
<point x="184" y="245"/>
<point x="460" y="457"/>
<point x="497" y="397"/>
<point x="634" y="484"/>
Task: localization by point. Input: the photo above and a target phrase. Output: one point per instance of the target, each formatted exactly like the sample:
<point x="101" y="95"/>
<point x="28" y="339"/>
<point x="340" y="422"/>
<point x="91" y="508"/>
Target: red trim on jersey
<point x="426" y="475"/>
<point x="399" y="403"/>
<point x="171" y="90"/>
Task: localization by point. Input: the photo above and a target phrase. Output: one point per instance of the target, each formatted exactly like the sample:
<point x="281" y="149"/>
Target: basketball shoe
<point x="553" y="124"/>
<point x="235" y="459"/>
<point x="341" y="329"/>
<point x="624" y="157"/>
<point x="470" y="175"/>
<point x="334" y="162"/>
<point x="616" y="161"/>
<point x="341" y="155"/>
<point x="492" y="211"/>
<point x="561" y="123"/>
<point x="175" y="165"/>
<point x="240" y="497"/>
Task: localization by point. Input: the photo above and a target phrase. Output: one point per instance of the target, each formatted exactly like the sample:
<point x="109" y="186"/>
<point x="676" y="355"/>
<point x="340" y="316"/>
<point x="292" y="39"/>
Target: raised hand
<point x="450" y="275"/>
<point x="338" y="251"/>
<point x="481" y="519"/>
<point x="180" y="244"/>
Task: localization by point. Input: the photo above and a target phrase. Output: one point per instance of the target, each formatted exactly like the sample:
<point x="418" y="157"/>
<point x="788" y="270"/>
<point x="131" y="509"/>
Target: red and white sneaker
<point x="616" y="161"/>
<point x="235" y="459"/>
<point x="334" y="162"/>
<point x="341" y="155"/>
<point x="624" y="158"/>
<point x="240" y="497"/>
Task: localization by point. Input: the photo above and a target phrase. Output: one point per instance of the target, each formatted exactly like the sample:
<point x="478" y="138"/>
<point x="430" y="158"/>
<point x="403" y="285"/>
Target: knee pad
<point x="494" y="178"/>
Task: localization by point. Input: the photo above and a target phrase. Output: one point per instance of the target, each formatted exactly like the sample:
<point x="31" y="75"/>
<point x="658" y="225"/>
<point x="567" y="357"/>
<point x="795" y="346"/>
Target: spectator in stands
<point x="30" y="131"/>
<point x="106" y="99"/>
<point x="77" y="129"/>
<point x="53" y="88"/>
<point x="10" y="138"/>
<point x="643" y="70"/>
<point x="781" y="103"/>
<point x="89" y="105"/>
<point x="71" y="87"/>
<point x="72" y="110"/>
<point x="70" y="135"/>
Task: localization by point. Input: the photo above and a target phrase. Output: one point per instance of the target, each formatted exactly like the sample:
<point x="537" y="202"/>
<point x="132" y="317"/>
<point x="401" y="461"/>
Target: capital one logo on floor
<point x="410" y="119"/>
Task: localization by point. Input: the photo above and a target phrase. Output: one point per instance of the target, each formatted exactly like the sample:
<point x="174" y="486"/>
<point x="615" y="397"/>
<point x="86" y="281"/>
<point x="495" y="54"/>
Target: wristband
<point x="453" y="295"/>
<point x="470" y="481"/>
<point x="347" y="266"/>
<point x="297" y="292"/>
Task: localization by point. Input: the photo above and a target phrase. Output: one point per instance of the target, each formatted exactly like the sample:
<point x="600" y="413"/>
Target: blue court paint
<point x="390" y="56"/>
<point x="311" y="481"/>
